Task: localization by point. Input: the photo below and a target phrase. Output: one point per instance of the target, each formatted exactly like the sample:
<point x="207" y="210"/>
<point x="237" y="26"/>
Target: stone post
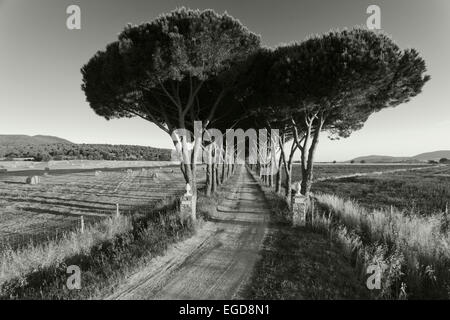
<point x="82" y="224"/>
<point x="188" y="205"/>
<point x="299" y="208"/>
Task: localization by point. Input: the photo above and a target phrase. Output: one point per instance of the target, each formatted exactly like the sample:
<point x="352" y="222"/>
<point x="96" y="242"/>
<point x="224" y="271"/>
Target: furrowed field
<point x="326" y="171"/>
<point x="71" y="190"/>
<point x="423" y="192"/>
<point x="390" y="215"/>
<point x="397" y="220"/>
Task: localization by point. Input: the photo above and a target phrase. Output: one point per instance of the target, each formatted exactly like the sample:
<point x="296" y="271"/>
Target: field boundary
<point x="374" y="173"/>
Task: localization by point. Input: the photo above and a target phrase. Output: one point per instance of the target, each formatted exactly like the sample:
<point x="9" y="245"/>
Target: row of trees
<point x="441" y="161"/>
<point x="189" y="66"/>
<point x="64" y="151"/>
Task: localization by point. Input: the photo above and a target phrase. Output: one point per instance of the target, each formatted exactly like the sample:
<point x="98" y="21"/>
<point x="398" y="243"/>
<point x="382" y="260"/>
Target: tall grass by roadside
<point x="106" y="253"/>
<point x="413" y="251"/>
<point x="17" y="263"/>
<point x="299" y="263"/>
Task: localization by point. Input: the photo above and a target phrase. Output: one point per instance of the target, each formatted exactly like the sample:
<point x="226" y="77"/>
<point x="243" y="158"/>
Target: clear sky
<point x="40" y="61"/>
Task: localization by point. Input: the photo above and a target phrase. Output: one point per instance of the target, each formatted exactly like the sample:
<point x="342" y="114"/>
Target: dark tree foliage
<point x="64" y="151"/>
<point x="334" y="82"/>
<point x="172" y="71"/>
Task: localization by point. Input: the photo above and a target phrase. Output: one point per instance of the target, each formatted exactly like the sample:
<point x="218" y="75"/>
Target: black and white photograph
<point x="227" y="157"/>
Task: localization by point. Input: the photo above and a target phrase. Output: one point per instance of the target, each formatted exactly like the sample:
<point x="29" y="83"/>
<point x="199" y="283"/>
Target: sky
<point x="40" y="61"/>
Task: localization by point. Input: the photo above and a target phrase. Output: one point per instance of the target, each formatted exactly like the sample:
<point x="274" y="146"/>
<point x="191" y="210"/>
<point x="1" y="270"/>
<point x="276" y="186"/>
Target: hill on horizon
<point x="434" y="155"/>
<point x="46" y="148"/>
<point x="22" y="139"/>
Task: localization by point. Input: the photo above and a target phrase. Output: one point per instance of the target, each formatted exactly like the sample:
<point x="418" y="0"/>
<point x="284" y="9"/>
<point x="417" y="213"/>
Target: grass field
<point x="394" y="218"/>
<point x="37" y="212"/>
<point x="397" y="221"/>
<point x="324" y="171"/>
<point x="411" y="239"/>
<point x="423" y="192"/>
<point x="108" y="252"/>
<point x="78" y="164"/>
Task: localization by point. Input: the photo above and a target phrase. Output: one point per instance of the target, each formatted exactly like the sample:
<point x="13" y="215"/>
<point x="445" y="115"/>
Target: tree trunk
<point x="208" y="171"/>
<point x="307" y="170"/>
<point x="195" y="154"/>
<point x="304" y="158"/>
<point x="306" y="181"/>
<point x="217" y="175"/>
<point x="223" y="172"/>
<point x="269" y="176"/>
<point x="288" y="171"/>
<point x="184" y="170"/>
<point x="208" y="180"/>
<point x="226" y="172"/>
<point x="189" y="176"/>
<point x="213" y="178"/>
<point x="281" y="161"/>
<point x="278" y="176"/>
<point x="289" y="182"/>
<point x="186" y="178"/>
<point x="263" y="174"/>
<point x="188" y="166"/>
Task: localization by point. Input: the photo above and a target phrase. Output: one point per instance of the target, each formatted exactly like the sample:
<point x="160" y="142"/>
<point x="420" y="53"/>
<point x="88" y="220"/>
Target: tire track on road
<point x="214" y="264"/>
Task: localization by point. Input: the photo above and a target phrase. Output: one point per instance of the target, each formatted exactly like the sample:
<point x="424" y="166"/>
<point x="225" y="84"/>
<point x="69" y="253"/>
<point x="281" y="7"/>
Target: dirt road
<point x="217" y="262"/>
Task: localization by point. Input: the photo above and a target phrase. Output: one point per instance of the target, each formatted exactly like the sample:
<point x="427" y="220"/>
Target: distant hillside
<point x="15" y="140"/>
<point x="46" y="148"/>
<point x="435" y="155"/>
<point x="381" y="159"/>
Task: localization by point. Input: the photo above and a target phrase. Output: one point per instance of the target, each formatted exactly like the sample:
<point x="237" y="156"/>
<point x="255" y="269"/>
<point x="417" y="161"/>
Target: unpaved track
<point x="215" y="263"/>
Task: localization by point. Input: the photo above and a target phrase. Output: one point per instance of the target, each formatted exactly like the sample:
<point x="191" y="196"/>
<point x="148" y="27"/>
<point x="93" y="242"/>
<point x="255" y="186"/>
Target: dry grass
<point x="38" y="213"/>
<point x="106" y="253"/>
<point x="413" y="250"/>
<point x="425" y="191"/>
<point x="327" y="171"/>
<point x="20" y="262"/>
<point x="298" y="263"/>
